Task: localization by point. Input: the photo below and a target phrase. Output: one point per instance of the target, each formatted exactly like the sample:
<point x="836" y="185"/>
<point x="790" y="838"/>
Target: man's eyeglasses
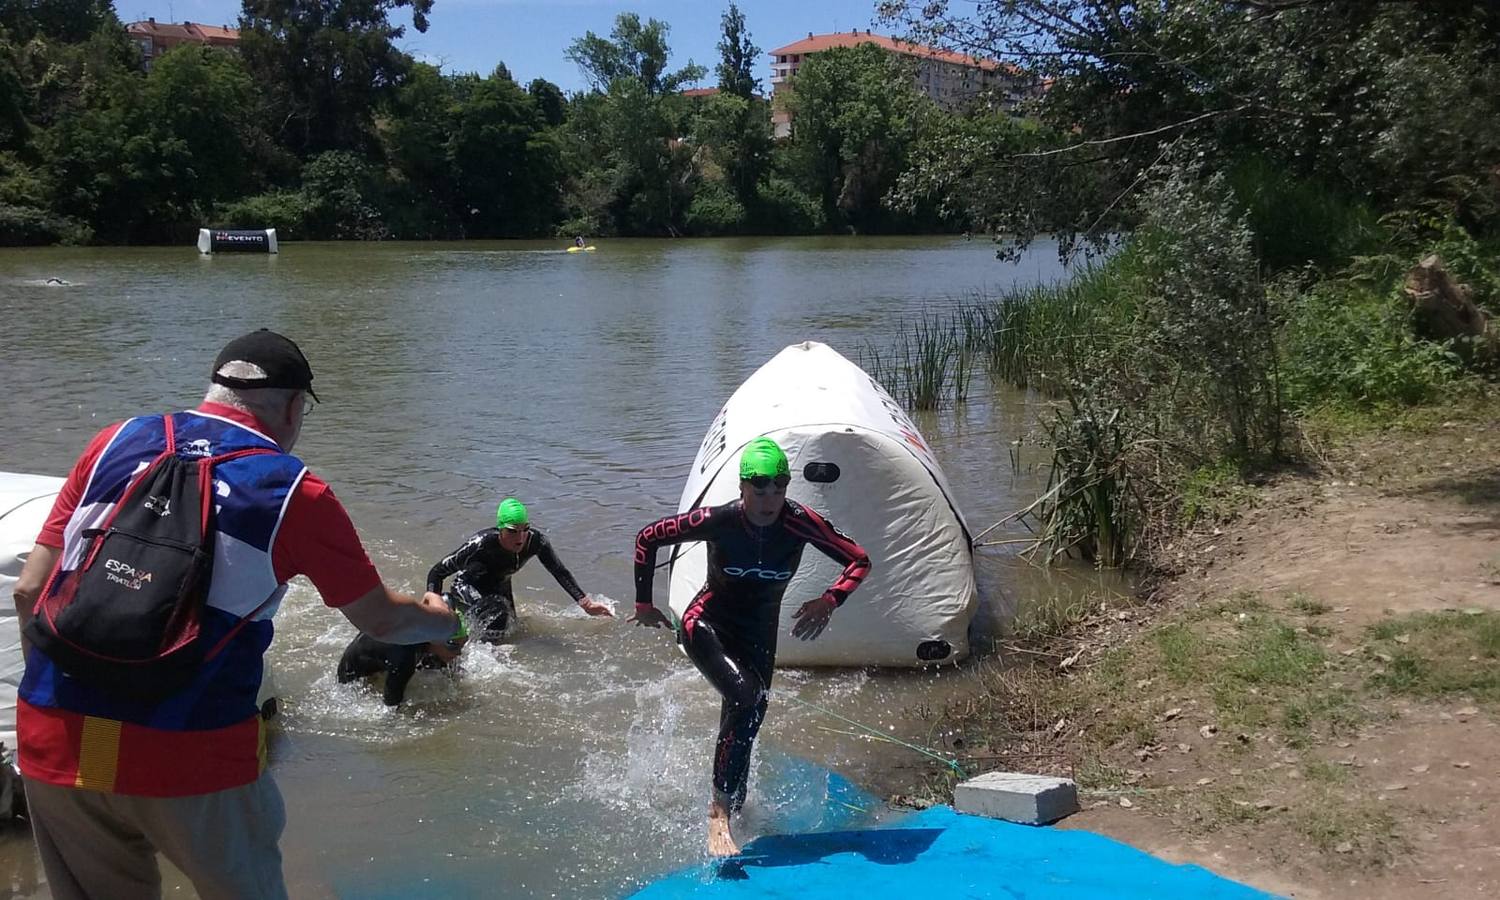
<point x="765" y="481"/>
<point x="517" y="529"/>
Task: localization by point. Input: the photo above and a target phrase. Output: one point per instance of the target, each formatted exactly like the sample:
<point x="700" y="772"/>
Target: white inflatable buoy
<point x="857" y="458"/>
<point x="25" y="501"/>
<point x="240" y="240"/>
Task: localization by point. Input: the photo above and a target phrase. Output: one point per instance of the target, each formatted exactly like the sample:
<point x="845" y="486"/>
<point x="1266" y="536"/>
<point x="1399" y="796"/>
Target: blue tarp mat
<point x="951" y="855"/>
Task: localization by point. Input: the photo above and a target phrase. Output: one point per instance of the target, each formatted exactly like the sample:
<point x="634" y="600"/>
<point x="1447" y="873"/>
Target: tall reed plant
<point x="928" y="363"/>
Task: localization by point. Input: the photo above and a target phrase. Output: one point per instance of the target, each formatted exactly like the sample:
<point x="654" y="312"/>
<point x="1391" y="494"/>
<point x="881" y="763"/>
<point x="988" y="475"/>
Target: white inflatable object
<point x="25" y="501"/>
<point x="248" y="240"/>
<point x="856" y="458"/>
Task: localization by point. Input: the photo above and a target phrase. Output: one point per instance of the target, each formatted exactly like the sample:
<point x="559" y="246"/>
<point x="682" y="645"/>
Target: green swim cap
<point x="762" y="456"/>
<point x="511" y="512"/>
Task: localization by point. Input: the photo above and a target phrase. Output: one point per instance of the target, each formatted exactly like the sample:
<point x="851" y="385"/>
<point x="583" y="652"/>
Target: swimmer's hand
<point x="813" y="617"/>
<point x="648" y="615"/>
<point x="594" y="607"/>
<point x="447" y="652"/>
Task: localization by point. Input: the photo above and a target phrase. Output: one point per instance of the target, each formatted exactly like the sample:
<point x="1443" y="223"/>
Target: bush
<point x="715" y="210"/>
<point x="1346" y="343"/>
<point x="786" y="210"/>
<point x="342" y="194"/>
<point x="285" y="211"/>
<point x="26" y="226"/>
<point x="581" y="224"/>
<point x="1205" y="325"/>
<point x="1299" y="220"/>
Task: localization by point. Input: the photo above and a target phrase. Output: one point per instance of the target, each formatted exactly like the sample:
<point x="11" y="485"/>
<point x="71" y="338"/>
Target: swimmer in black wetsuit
<point x="366" y="656"/>
<point x="729" y="629"/>
<point x="482" y="568"/>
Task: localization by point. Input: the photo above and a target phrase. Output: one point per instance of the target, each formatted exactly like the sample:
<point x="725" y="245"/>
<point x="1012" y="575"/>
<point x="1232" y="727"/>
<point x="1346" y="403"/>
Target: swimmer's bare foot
<point x="720" y="841"/>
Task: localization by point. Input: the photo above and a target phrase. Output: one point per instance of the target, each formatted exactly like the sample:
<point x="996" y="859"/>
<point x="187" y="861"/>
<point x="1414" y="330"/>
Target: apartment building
<point x="952" y="80"/>
<point x="155" y="38"/>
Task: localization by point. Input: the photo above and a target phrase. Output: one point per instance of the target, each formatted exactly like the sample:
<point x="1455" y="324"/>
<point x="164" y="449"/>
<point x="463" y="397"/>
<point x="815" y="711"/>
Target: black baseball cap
<point x="276" y="355"/>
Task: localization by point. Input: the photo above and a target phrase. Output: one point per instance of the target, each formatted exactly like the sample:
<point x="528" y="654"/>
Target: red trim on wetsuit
<point x="817" y="531"/>
<point x="694" y="611"/>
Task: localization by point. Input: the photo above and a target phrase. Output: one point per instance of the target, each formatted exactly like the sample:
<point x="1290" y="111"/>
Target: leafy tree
<point x="507" y="168"/>
<point x="735" y="133"/>
<point x="416" y="140"/>
<point x="549" y="100"/>
<point x="635" y="174"/>
<point x="855" y="114"/>
<point x="62" y="21"/>
<point x="738" y="55"/>
<point x="735" y="125"/>
<point x="633" y="51"/>
<point x="327" y="65"/>
<point x="1380" y="99"/>
<point x="201" y="102"/>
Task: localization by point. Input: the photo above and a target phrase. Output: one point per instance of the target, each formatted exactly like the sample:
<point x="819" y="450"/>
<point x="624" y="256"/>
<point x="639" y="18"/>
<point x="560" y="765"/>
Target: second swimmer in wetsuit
<point x="482" y="568"/>
<point x="729" y="629"/>
<point x="366" y="656"/>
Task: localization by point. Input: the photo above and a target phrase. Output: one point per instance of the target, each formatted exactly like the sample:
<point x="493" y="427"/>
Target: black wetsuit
<point x="729" y="629"/>
<point x="366" y="656"/>
<point x="483" y="569"/>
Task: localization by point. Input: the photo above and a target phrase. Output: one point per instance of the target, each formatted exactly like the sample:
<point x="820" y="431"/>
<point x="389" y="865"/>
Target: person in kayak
<point x="729" y="629"/>
<point x="483" y="566"/>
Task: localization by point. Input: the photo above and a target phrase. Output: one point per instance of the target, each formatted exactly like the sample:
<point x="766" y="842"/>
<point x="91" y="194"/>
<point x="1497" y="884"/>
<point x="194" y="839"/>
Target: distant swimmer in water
<point x="56" y="282"/>
<point x="482" y="568"/>
<point x="366" y="657"/>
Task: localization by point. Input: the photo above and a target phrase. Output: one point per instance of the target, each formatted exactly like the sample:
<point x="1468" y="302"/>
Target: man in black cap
<point x="112" y="782"/>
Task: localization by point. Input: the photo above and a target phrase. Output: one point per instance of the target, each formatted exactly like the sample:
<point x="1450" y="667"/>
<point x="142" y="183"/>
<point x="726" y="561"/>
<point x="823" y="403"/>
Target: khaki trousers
<point x="96" y="846"/>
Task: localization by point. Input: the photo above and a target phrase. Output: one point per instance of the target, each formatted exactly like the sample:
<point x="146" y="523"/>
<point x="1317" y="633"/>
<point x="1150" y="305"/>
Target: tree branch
<point x="1129" y="137"/>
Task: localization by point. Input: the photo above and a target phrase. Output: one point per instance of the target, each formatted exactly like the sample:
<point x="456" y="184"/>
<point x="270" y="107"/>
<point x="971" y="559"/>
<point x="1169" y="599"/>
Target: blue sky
<point x="529" y="36"/>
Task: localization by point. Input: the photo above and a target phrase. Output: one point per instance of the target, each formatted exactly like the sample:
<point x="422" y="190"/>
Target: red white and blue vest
<point x="207" y="737"/>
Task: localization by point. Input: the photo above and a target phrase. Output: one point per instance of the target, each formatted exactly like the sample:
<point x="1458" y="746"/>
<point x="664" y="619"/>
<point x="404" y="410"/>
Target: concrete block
<point x="1017" y="797"/>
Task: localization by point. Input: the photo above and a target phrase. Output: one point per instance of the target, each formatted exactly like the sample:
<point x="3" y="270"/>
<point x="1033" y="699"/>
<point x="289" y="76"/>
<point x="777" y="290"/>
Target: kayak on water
<point x="588" y="249"/>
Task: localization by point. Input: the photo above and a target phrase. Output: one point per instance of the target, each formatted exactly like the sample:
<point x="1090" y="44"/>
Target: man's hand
<point x="594" y="607"/>
<point x="650" y="616"/>
<point x="813" y="617"/>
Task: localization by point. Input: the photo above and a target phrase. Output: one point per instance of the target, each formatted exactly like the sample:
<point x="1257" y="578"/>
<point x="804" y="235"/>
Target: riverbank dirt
<point x="1312" y="706"/>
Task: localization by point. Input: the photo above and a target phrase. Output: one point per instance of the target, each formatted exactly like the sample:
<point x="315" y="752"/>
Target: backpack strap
<point x="205" y="479"/>
<point x="205" y="485"/>
<point x="238" y="626"/>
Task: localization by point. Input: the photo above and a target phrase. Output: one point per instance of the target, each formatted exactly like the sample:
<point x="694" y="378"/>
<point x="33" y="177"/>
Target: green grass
<point x="1307" y="605"/>
<point x="1355" y="832"/>
<point x="1440" y="655"/>
<point x="1214" y="493"/>
<point x="1258" y="669"/>
<point x="1053" y="616"/>
<point x="1318" y="771"/>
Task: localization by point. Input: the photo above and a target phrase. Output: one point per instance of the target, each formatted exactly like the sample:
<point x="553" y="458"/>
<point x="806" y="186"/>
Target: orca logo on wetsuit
<point x="762" y="574"/>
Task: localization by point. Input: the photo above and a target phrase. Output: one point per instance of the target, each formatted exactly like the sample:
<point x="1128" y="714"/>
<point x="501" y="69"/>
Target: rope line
<point x="882" y="735"/>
